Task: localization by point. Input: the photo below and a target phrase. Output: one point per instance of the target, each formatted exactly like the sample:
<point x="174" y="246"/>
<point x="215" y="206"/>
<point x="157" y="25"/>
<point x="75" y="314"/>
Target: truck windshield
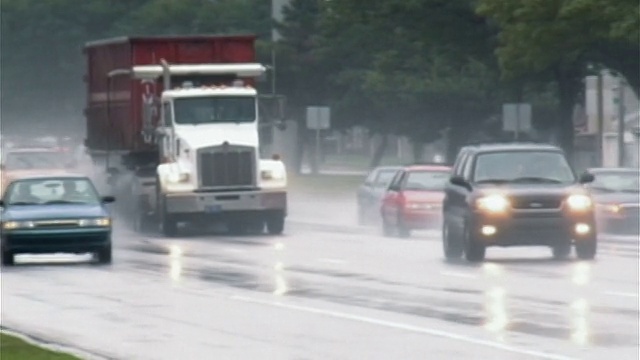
<point x="212" y="110"/>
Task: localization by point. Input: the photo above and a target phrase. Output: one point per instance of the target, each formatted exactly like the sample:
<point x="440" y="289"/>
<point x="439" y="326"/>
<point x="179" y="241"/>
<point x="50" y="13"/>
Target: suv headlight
<point x="11" y="225"/>
<point x="493" y="203"/>
<point x="95" y="222"/>
<point x="579" y="202"/>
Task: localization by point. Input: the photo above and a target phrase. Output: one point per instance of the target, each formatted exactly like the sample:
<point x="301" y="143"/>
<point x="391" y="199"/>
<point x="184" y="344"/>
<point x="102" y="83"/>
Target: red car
<point x="413" y="200"/>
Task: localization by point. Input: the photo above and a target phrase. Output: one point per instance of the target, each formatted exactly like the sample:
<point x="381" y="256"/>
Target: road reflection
<point x="496" y="316"/>
<point x="175" y="265"/>
<point x="580" y="321"/>
<point x="281" y="287"/>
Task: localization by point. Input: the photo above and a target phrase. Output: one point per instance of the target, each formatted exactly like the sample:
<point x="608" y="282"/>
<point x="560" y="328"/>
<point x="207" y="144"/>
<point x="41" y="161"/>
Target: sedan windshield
<point x="212" y="110"/>
<point x="617" y="182"/>
<point x="51" y="191"/>
<point x="426" y="180"/>
<point x="34" y="160"/>
<point x="523" y="167"/>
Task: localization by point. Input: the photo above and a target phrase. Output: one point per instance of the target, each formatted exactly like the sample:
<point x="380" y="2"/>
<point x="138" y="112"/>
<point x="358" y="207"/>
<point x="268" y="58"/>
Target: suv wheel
<point x="473" y="250"/>
<point x="452" y="246"/>
<point x="561" y="250"/>
<point x="586" y="249"/>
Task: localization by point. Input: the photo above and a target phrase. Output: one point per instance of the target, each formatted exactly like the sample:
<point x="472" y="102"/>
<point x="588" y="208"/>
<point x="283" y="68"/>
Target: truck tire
<point x="275" y="222"/>
<point x="168" y="225"/>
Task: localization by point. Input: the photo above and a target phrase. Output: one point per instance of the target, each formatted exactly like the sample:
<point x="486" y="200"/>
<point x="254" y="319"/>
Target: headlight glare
<point x="95" y="222"/>
<point x="11" y="225"/>
<point x="579" y="202"/>
<point x="493" y="203"/>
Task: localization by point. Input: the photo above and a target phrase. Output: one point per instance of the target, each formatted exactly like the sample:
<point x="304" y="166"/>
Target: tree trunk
<point x="568" y="88"/>
<point x="380" y="151"/>
<point x="417" y="148"/>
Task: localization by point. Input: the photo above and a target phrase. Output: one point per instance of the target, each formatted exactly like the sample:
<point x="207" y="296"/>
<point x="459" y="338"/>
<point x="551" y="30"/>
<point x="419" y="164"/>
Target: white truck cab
<point x="210" y="167"/>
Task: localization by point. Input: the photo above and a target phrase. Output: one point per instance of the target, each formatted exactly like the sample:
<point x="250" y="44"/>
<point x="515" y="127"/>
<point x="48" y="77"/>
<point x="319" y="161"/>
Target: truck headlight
<point x="103" y="222"/>
<point x="271" y="175"/>
<point x="579" y="202"/>
<point x="493" y="203"/>
<point x="11" y="225"/>
<point x="178" y="177"/>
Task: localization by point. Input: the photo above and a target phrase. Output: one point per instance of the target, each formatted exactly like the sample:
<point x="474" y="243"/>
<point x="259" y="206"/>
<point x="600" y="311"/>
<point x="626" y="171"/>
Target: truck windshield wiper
<point x="536" y="179"/>
<point x="493" y="181"/>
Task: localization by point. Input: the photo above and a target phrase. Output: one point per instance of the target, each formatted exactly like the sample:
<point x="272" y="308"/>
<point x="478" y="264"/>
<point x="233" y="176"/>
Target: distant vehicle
<point x="517" y="195"/>
<point x="49" y="214"/>
<point x="616" y="192"/>
<point x="414" y="199"/>
<point x="370" y="193"/>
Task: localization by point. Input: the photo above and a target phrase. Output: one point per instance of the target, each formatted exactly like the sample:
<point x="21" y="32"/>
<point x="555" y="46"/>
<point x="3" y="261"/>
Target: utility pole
<point x="600" y="120"/>
<point x="621" y="116"/>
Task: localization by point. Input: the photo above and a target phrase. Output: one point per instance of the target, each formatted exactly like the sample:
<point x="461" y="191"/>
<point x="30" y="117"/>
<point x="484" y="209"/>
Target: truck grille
<point x="234" y="166"/>
<point x="534" y="202"/>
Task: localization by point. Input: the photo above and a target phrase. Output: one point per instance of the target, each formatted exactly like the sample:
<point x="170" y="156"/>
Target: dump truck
<point x="174" y="123"/>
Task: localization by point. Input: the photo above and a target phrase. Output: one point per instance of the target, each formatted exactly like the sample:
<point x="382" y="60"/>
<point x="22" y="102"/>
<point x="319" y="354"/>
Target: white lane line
<point x="623" y="294"/>
<point x="332" y="261"/>
<point x="458" y="274"/>
<point x="407" y="327"/>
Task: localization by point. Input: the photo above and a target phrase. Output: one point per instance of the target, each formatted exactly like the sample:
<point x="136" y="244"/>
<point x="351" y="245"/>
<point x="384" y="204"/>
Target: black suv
<point x="516" y="195"/>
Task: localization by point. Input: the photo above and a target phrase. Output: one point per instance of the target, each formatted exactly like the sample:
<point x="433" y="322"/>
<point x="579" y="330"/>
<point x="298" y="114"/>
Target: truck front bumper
<point x="226" y="202"/>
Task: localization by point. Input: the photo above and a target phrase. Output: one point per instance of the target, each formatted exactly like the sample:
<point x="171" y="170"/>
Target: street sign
<point x="516" y="117"/>
<point x="318" y="117"/>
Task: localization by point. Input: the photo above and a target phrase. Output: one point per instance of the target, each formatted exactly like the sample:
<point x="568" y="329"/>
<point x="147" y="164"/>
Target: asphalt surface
<point x="326" y="290"/>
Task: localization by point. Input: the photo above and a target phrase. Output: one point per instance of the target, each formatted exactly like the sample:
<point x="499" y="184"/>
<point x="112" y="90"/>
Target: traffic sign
<point x="516" y="117"/>
<point x="318" y="117"/>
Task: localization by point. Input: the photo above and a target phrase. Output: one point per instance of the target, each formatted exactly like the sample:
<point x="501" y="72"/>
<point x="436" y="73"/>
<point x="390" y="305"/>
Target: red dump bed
<point x="123" y="132"/>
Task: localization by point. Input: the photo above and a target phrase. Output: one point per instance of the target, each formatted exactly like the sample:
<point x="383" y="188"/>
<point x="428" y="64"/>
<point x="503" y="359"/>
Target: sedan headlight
<point x="579" y="202"/>
<point x="493" y="203"/>
<point x="102" y="222"/>
<point x="11" y="225"/>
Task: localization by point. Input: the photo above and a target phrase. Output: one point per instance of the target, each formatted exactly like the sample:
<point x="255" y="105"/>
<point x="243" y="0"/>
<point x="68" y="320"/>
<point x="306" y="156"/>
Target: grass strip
<point x="14" y="348"/>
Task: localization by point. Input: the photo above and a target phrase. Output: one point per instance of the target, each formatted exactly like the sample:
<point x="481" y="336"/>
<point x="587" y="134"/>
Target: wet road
<point x="328" y="291"/>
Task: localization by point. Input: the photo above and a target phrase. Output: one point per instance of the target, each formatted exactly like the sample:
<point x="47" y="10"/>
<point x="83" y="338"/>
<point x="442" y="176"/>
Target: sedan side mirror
<point x="586" y="178"/>
<point x="108" y="199"/>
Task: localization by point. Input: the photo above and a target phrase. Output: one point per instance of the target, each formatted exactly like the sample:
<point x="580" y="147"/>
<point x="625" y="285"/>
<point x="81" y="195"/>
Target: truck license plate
<point x="213" y="208"/>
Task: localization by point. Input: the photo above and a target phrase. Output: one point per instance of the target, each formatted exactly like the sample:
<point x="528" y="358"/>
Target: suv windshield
<point x="523" y="166"/>
<point x="215" y="109"/>
<point x="51" y="191"/>
<point x="426" y="180"/>
<point x="34" y="160"/>
<point x="616" y="182"/>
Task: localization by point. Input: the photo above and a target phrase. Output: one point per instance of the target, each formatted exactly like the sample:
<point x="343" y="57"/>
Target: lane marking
<point x="458" y="274"/>
<point x="406" y="327"/>
<point x="623" y="294"/>
<point x="332" y="261"/>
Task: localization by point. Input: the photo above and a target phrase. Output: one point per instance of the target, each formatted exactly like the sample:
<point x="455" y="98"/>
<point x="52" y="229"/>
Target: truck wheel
<point x="104" y="255"/>
<point x="451" y="245"/>
<point x="275" y="223"/>
<point x="168" y="225"/>
<point x="586" y="249"/>
<point x="7" y="258"/>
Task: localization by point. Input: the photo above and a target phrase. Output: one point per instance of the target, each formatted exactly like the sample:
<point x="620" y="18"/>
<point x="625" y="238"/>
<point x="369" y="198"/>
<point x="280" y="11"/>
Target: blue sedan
<point x="54" y="214"/>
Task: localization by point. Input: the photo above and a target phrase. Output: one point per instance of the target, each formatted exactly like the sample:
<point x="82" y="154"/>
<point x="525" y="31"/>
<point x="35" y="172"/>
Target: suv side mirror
<point x="586" y="178"/>
<point x="459" y="181"/>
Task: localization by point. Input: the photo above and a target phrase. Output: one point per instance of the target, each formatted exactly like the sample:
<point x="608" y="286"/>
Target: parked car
<point x="49" y="214"/>
<point x="370" y="193"/>
<point x="616" y="192"/>
<point x="517" y="195"/>
<point x="413" y="200"/>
